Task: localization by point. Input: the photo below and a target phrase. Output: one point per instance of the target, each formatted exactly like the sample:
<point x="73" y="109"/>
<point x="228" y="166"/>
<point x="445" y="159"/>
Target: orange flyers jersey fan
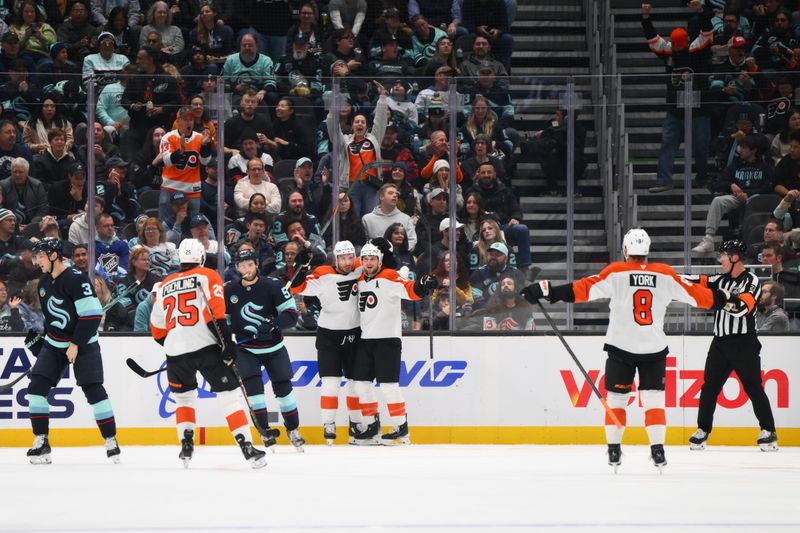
<point x="338" y="294"/>
<point x="180" y="315"/>
<point x="379" y="301"/>
<point x="184" y="177"/>
<point x="639" y="295"/>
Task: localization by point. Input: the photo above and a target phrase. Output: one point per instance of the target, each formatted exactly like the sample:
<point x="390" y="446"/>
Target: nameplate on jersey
<point x="643" y="280"/>
<point x="179" y="285"/>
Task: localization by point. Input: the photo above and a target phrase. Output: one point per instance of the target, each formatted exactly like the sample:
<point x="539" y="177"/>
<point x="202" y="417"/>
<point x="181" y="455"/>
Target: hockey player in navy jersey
<point x="72" y="314"/>
<point x="258" y="308"/>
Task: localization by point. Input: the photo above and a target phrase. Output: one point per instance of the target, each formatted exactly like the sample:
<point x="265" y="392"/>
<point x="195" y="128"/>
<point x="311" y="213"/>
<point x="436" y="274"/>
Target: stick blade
<point x="133" y="365"/>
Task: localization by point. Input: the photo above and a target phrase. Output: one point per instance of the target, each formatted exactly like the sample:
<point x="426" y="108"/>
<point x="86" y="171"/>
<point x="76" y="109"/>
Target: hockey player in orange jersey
<point x="380" y="292"/>
<point x="185" y="309"/>
<point x="639" y="293"/>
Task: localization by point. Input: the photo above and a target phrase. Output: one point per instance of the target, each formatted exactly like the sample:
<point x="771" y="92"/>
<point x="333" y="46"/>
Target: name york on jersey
<point x="643" y="280"/>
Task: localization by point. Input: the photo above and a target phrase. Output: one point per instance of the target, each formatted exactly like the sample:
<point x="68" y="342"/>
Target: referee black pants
<point x="738" y="353"/>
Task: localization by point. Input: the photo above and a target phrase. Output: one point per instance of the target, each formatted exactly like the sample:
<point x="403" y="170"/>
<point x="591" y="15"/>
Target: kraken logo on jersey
<point x="249" y="315"/>
<point x="346" y="288"/>
<point x="60" y="317"/>
<point x="367" y="300"/>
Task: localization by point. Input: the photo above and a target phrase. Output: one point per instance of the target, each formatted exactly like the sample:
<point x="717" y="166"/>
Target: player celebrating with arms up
<point x="258" y="308"/>
<point x="639" y="294"/>
<point x="188" y="319"/>
<point x="72" y="314"/>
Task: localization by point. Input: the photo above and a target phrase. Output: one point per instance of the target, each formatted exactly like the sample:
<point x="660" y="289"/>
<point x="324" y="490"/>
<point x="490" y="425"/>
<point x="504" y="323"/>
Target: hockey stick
<point x="38" y="337"/>
<point x="609" y="411"/>
<point x="312" y="247"/>
<point x="133" y="365"/>
<point x="430" y="300"/>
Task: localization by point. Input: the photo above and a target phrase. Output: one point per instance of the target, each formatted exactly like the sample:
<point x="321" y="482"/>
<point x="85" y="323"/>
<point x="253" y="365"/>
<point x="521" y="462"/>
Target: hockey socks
<point x="234" y="415"/>
<point x="184" y="413"/>
<point x="288" y="406"/>
<point x="97" y="397"/>
<point x="353" y="405"/>
<point x="655" y="419"/>
<point x="259" y="404"/>
<point x="394" y="403"/>
<point x="367" y="401"/>
<point x="329" y="399"/>
<point x="40" y="414"/>
<point x="617" y="402"/>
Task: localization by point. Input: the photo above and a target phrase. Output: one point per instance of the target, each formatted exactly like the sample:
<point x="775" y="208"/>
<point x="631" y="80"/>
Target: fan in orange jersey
<point x="639" y="294"/>
<point x="188" y="319"/>
<point x="183" y="151"/>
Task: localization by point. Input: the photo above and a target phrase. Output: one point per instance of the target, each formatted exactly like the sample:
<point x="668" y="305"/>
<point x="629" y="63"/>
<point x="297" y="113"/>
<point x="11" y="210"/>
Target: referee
<point x="735" y="347"/>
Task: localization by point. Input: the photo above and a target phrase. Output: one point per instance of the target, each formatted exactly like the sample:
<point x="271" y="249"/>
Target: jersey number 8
<point x="643" y="307"/>
<point x="187" y="313"/>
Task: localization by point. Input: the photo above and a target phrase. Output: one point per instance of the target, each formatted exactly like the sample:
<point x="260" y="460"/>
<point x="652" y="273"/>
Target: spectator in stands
<point x="787" y="171"/>
<point x="10" y="149"/>
<point x="740" y="121"/>
<point x="481" y="118"/>
<point x="80" y="260"/>
<point x="11" y="53"/>
<point x="212" y="36"/>
<point x="249" y="150"/>
<point x="681" y="59"/>
<point x="197" y="71"/>
<point x="79" y="229"/>
<point x="247" y="123"/>
<point x="772" y="235"/>
<point x="770" y="316"/>
<point x="287" y="261"/>
<point x="152" y="97"/>
<point x="123" y="24"/>
<point x="481" y="58"/>
<point x="295" y="210"/>
<point x="299" y="72"/>
<point x="147" y="163"/>
<point x="357" y="150"/>
<point x="348" y="14"/>
<point x="208" y="194"/>
<point x="53" y="163"/>
<point x="489" y="18"/>
<point x="111" y="252"/>
<point x="350" y="226"/>
<point x="21" y="98"/>
<point x="489" y="234"/>
<point x="780" y="143"/>
<point x="790" y="279"/>
<point x="439" y="14"/>
<point x="293" y="139"/>
<point x="46" y="118"/>
<point x="316" y="193"/>
<point x="10" y="318"/>
<point x="440" y="178"/>
<point x="774" y="49"/>
<point x="787" y="210"/>
<point x="257" y="206"/>
<point x="67" y="197"/>
<point x="485" y="280"/>
<point x="117" y="190"/>
<point x="163" y="253"/>
<point x="77" y="32"/>
<point x="506" y="309"/>
<point x="444" y="55"/>
<point x="10" y="242"/>
<point x="346" y="61"/>
<point x="201" y="231"/>
<point x="256" y="237"/>
<point x="110" y="111"/>
<point x="748" y="175"/>
<point x="57" y="69"/>
<point x="483" y="152"/>
<point x="297" y="235"/>
<point x="385" y="214"/>
<point x="434" y="210"/>
<point x="398" y="238"/>
<point x="307" y="26"/>
<point x="430" y="257"/>
<point x="178" y="223"/>
<point x="30" y="309"/>
<point x="423" y="42"/>
<point x="255" y="182"/>
<point x="404" y="112"/>
<point x="138" y="271"/>
<point x="734" y="80"/>
<point x="408" y="199"/>
<point x="34" y="33"/>
<point x="25" y="196"/>
<point x="473" y="215"/>
<point x="388" y="65"/>
<point x="106" y="65"/>
<point x="436" y="95"/>
<point x="115" y="318"/>
<point x="392" y="25"/>
<point x="464" y="298"/>
<point x="202" y="121"/>
<point x="159" y="19"/>
<point x="731" y="24"/>
<point x="248" y="69"/>
<point x="502" y="200"/>
<point x="399" y="153"/>
<point x="103" y="11"/>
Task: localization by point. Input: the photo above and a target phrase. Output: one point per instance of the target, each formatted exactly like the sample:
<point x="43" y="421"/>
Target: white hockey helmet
<point x="191" y="251"/>
<point x="343" y="248"/>
<point x="369" y="250"/>
<point x="636" y="242"/>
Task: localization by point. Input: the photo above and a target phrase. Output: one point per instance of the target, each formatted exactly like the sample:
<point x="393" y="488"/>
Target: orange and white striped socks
<point x="353" y="404"/>
<point x="329" y="399"/>
<point x="368" y="401"/>
<point x="655" y="418"/>
<point x="617" y="402"/>
<point x="184" y="413"/>
<point x="395" y="403"/>
<point x="234" y="414"/>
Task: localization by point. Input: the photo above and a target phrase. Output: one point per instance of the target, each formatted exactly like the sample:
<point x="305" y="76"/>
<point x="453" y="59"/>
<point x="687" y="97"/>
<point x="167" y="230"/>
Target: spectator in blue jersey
<point x="249" y="69"/>
<point x="485" y="280"/>
<point x="423" y="42"/>
<point x="110" y="111"/>
<point x="295" y="210"/>
<point x="111" y="252"/>
<point x="163" y="254"/>
<point x="105" y="65"/>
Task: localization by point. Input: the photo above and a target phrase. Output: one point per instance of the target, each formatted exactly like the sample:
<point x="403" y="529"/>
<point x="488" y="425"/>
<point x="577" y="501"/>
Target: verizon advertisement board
<point x="524" y="387"/>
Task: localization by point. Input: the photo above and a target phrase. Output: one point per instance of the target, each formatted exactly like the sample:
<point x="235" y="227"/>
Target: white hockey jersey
<point x="379" y="301"/>
<point x="639" y="295"/>
<point x="180" y="315"/>
<point x="338" y="294"/>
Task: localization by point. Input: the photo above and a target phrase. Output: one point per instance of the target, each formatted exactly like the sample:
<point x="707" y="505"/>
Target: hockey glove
<point x="34" y="342"/>
<point x="229" y="352"/>
<point x="536" y="291"/>
<point x="386" y="249"/>
<point x="425" y="284"/>
<point x="269" y="331"/>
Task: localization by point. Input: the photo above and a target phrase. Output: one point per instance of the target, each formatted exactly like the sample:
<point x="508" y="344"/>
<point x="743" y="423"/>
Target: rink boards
<point x="475" y="390"/>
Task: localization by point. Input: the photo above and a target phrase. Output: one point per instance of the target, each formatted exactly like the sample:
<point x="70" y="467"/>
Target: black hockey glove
<point x="34" y="342"/>
<point x="229" y="352"/>
<point x="536" y="291"/>
<point x="269" y="331"/>
<point x="425" y="284"/>
<point x="386" y="249"/>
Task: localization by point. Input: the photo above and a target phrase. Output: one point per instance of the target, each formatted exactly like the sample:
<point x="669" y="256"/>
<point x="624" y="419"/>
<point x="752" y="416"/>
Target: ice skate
<point x="698" y="440"/>
<point x="40" y="453"/>
<point x="329" y="433"/>
<point x="369" y="434"/>
<point x="768" y="441"/>
<point x="187" y="447"/>
<point x="254" y="456"/>
<point x="398" y="435"/>
<point x="658" y="457"/>
<point x="112" y="449"/>
<point x="270" y="438"/>
<point x="614" y="456"/>
<point x="352" y="431"/>
<point x="296" y="439"/>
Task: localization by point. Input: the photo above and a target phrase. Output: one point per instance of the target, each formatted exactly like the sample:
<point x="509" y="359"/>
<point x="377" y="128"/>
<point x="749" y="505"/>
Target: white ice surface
<point x="413" y="488"/>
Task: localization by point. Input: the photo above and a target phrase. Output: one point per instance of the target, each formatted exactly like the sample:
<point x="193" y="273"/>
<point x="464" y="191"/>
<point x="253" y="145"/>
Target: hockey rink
<point x="443" y="488"/>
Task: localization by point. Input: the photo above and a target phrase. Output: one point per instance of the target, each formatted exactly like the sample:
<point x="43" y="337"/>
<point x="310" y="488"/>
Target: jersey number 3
<point x="643" y="307"/>
<point x="187" y="314"/>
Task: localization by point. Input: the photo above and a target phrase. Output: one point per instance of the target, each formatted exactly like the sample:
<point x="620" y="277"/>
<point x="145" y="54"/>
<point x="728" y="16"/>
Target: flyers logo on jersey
<point x="191" y="159"/>
<point x="367" y="300"/>
<point x="346" y="288"/>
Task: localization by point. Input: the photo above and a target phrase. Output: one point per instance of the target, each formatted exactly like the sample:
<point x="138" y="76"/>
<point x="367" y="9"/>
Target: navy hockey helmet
<point x="48" y="245"/>
<point x="246" y="255"/>
<point x="733" y="246"/>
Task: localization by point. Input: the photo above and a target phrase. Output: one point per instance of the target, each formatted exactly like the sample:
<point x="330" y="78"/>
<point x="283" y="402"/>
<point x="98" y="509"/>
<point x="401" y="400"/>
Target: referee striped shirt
<point x="748" y="287"/>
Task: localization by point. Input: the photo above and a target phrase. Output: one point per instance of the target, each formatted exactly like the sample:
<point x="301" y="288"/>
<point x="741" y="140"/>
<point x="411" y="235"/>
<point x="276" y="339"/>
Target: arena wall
<point x="483" y="389"/>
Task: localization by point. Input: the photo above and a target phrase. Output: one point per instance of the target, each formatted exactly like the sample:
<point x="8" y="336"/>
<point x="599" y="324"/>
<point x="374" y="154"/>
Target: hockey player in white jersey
<point x="639" y="293"/>
<point x="338" y="332"/>
<point x="380" y="292"/>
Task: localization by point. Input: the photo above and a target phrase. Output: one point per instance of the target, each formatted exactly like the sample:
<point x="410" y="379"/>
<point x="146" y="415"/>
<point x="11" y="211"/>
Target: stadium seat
<point x="148" y="202"/>
<point x="283" y="169"/>
<point x="761" y="203"/>
<point x="755" y="236"/>
<point x="128" y="232"/>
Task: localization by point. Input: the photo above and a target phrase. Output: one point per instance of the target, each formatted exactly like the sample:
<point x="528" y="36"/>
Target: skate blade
<point x="329" y="441"/>
<point x="41" y="460"/>
<point x="771" y="447"/>
<point x="396" y="442"/>
<point x="257" y="463"/>
<point x="115" y="459"/>
<point x="185" y="463"/>
<point x="300" y="449"/>
<point x="615" y="467"/>
<point x="367" y="442"/>
<point x="697" y="447"/>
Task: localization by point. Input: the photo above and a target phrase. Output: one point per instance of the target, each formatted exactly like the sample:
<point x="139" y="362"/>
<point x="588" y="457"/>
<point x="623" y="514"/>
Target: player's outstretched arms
<point x="542" y="289"/>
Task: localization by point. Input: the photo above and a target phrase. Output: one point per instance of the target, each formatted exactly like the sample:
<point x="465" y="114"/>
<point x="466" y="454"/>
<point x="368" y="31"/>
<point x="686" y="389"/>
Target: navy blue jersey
<point x="248" y="308"/>
<point x="72" y="312"/>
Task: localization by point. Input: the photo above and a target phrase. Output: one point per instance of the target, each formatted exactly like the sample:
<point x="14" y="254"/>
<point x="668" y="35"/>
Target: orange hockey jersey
<point x="184" y="177"/>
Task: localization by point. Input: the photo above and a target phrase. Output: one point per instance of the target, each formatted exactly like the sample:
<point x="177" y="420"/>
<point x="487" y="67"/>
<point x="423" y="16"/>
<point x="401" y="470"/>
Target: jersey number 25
<point x="187" y="313"/>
